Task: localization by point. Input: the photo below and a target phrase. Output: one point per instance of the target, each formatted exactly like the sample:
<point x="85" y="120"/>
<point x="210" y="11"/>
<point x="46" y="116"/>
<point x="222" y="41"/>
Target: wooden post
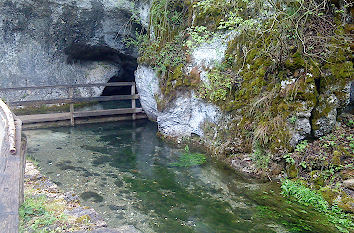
<point x="133" y="101"/>
<point x="22" y="149"/>
<point x="71" y="95"/>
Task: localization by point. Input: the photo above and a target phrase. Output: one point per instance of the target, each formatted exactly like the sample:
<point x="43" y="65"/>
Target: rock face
<point x="147" y="85"/>
<point x="186" y="114"/>
<point x="183" y="117"/>
<point x="50" y="42"/>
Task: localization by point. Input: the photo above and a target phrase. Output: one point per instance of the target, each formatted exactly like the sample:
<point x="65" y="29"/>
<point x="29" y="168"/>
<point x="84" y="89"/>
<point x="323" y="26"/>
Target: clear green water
<point x="123" y="171"/>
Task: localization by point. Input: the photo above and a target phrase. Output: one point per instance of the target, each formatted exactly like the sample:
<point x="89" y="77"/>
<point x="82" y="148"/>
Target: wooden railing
<point x="71" y="100"/>
<point x="12" y="168"/>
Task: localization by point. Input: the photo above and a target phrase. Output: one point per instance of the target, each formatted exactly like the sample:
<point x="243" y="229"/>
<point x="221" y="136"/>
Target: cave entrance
<point x="127" y="64"/>
<point x="126" y="74"/>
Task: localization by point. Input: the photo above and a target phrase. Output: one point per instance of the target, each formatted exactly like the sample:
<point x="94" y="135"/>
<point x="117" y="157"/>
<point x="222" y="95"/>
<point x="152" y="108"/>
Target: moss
<point x="295" y="61"/>
<point x="336" y="158"/>
<point x="317" y="178"/>
<point x="347" y="204"/>
<point x="178" y="76"/>
<point x="256" y="63"/>
<point x="83" y="219"/>
<point x="329" y="194"/>
<point x="292" y="171"/>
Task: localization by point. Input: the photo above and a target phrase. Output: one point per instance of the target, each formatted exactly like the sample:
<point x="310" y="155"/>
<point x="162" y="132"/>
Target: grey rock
<point x="70" y="197"/>
<point x="301" y="130"/>
<point x="64" y="42"/>
<point x="147" y="84"/>
<point x="122" y="229"/>
<point x="325" y="124"/>
<point x="91" y="213"/>
<point x="349" y="184"/>
<point x="185" y="116"/>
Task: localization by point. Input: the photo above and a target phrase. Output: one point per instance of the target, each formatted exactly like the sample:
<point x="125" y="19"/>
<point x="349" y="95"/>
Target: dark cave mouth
<point x="81" y="53"/>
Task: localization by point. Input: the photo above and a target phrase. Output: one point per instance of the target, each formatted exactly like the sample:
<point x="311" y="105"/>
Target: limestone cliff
<point x="49" y="42"/>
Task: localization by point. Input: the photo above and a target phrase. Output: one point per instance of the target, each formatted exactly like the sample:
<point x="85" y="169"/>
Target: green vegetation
<point x="308" y="197"/>
<point x="261" y="157"/>
<point x="283" y="59"/>
<point x="301" y="146"/>
<point x="189" y="159"/>
<point x="271" y="42"/>
<point x="35" y="215"/>
<point x="219" y="86"/>
<point x="43" y="208"/>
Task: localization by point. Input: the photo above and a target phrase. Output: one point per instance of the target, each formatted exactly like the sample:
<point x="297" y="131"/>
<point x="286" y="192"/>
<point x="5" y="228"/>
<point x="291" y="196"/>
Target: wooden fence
<point x="133" y="112"/>
<point x="12" y="168"/>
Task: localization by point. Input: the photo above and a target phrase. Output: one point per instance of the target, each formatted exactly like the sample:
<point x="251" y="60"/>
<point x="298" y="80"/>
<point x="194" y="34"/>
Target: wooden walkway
<point x="79" y="117"/>
<point x="12" y="167"/>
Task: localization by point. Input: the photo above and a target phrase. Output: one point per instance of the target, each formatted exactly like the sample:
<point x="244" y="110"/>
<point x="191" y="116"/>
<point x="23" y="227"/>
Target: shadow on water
<point x="123" y="171"/>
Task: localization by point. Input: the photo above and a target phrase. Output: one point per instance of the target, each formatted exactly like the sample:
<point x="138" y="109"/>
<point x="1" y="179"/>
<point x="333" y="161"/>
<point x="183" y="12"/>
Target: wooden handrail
<point x="71" y="99"/>
<point x="112" y="84"/>
<point x="75" y="100"/>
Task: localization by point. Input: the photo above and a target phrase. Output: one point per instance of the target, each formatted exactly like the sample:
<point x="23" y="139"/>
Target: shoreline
<point x="47" y="207"/>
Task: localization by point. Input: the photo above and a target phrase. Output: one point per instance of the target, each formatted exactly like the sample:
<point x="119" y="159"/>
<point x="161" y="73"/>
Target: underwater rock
<point x="123" y="229"/>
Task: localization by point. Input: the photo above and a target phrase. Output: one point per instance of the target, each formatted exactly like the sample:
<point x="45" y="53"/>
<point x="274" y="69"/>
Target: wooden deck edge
<point x="12" y="182"/>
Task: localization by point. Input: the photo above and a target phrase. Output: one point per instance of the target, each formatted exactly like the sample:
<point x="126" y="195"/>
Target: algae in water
<point x="189" y="159"/>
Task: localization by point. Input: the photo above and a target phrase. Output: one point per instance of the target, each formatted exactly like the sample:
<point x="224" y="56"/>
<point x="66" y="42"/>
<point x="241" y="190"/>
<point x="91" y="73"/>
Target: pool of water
<point x="125" y="172"/>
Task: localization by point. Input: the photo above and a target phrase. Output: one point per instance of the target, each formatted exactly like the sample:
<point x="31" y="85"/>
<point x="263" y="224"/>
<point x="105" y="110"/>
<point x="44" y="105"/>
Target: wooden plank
<point x="22" y="164"/>
<point x="11" y="184"/>
<point x="112" y="84"/>
<point x="71" y="95"/>
<point x="9" y="222"/>
<point x="82" y="121"/>
<point x="27" y="119"/>
<point x="37" y="118"/>
<point x="74" y="100"/>
<point x="107" y="112"/>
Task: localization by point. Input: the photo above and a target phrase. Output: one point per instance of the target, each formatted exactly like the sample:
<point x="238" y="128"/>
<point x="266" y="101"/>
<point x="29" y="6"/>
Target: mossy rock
<point x="83" y="219"/>
<point x="336" y="159"/>
<point x="292" y="171"/>
<point x="329" y="194"/>
<point x="295" y="61"/>
<point x="317" y="178"/>
<point x="347" y="174"/>
<point x="347" y="204"/>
